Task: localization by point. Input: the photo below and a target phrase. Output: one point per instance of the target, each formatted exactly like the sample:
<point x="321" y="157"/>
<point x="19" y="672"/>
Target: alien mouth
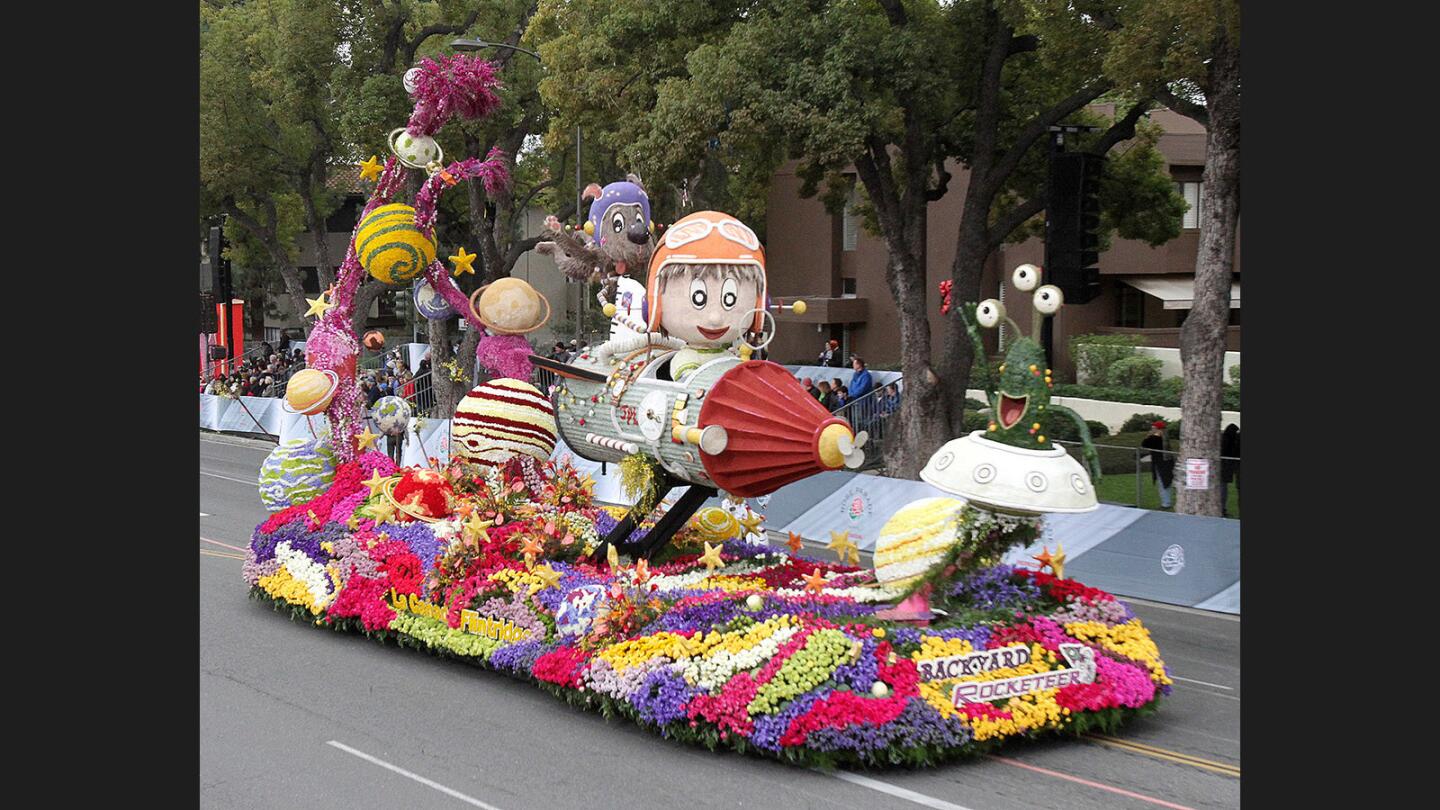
<point x="713" y="334"/>
<point x="1011" y="409"/>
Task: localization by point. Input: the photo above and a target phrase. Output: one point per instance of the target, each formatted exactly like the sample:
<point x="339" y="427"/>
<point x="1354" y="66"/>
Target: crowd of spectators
<point x="262" y="374"/>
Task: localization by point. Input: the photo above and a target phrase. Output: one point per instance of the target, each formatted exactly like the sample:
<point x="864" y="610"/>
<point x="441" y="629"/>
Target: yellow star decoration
<point x="477" y="527"/>
<point x="376" y="481"/>
<point x="711" y="558"/>
<point x="549" y="576"/>
<point x="844" y="548"/>
<point x="462" y="263"/>
<point x="317" y="306"/>
<point x="384" y="510"/>
<point x="370" y="169"/>
<point x="367" y="439"/>
<point x="796" y="542"/>
<point x="752" y="521"/>
<point x="1057" y="561"/>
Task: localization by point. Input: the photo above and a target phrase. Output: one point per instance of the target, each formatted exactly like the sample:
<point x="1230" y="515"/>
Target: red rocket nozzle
<point x="777" y="433"/>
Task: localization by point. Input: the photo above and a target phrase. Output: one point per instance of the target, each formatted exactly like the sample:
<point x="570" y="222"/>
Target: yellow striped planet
<point x="715" y="525"/>
<point x="915" y="538"/>
<point x="390" y="247"/>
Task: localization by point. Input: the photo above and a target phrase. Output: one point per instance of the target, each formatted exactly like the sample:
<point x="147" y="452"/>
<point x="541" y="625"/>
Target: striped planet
<point x="915" y="538"/>
<point x="297" y="471"/>
<point x="390" y="247"/>
<point x="501" y="418"/>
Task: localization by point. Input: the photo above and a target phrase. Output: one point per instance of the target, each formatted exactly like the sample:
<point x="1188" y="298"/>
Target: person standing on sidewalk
<point x="1229" y="467"/>
<point x="1162" y="464"/>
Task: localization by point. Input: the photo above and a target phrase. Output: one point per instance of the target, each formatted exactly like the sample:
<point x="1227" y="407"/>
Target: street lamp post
<point x="467" y="44"/>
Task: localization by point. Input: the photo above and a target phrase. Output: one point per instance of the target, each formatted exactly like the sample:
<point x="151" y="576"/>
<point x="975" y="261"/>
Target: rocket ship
<point x="744" y="427"/>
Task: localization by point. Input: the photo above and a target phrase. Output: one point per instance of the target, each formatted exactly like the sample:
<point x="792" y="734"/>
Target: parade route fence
<point x="1175" y="559"/>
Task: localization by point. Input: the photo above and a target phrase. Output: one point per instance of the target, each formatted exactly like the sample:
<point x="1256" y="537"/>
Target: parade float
<point x="687" y="620"/>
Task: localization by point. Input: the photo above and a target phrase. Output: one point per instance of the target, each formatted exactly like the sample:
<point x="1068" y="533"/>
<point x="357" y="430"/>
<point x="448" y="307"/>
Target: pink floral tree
<point x="444" y="88"/>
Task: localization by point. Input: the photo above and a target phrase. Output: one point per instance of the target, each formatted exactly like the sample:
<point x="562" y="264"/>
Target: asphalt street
<point x="296" y="716"/>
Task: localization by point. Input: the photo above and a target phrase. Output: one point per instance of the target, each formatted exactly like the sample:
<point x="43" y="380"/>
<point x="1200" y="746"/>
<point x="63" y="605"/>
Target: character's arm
<point x="574" y="257"/>
<point x="967" y="313"/>
<point x="1092" y="459"/>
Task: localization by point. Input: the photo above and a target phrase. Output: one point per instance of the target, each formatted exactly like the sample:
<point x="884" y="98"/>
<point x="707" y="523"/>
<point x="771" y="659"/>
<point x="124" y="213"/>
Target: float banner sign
<point x="1081" y="670"/>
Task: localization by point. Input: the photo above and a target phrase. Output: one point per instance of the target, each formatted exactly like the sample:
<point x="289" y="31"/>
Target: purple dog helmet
<point x="624" y="193"/>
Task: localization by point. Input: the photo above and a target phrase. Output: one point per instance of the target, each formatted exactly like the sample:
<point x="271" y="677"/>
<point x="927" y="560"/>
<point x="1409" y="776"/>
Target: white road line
<point x="895" y="790"/>
<point x="228" y="478"/>
<point x="417" y="777"/>
<point x="1204" y="683"/>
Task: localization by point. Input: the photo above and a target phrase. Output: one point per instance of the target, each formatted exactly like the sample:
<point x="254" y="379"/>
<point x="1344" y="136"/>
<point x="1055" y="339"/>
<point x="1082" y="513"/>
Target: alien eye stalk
<point x="1047" y="301"/>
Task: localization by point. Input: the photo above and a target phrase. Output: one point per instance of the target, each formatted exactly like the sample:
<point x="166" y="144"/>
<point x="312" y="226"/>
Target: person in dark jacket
<point x="1229" y="466"/>
<point x="827" y="398"/>
<point x="1162" y="464"/>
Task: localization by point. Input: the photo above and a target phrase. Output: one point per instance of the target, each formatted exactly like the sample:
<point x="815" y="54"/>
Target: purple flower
<point x="421" y="540"/>
<point x="995" y="588"/>
<point x="918" y="724"/>
<point x="769" y="728"/>
<point x="662" y="696"/>
<point x="519" y="657"/>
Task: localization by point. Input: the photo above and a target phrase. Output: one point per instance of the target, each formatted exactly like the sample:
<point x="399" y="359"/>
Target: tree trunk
<point x="365" y="295"/>
<point x="972" y="247"/>
<point x="922" y="422"/>
<point x="265" y="235"/>
<point x="1202" y="338"/>
<point x="324" y="270"/>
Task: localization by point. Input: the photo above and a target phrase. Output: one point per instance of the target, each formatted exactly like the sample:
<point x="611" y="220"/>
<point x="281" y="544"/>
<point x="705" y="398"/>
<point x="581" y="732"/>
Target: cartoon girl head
<point x="707" y="280"/>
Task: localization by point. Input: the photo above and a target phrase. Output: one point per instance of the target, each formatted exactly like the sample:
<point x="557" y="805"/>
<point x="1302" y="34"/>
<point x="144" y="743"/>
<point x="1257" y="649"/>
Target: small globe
<point x="297" y="471"/>
<point x="374" y="339"/>
<point x="391" y="415"/>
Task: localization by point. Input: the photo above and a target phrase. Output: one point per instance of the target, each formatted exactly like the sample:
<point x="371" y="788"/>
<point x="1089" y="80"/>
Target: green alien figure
<point x="1018" y="406"/>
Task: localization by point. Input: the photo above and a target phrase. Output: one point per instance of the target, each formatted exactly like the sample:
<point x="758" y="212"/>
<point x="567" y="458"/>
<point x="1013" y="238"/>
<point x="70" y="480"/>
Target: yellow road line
<point x="1168" y="755"/>
<point x="208" y="553"/>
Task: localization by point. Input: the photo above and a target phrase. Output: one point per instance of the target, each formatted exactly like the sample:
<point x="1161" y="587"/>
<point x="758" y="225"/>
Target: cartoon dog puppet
<point x="616" y="239"/>
<point x="706" y="287"/>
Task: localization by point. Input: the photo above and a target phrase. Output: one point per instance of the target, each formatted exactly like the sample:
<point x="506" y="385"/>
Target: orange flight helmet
<point x="706" y="237"/>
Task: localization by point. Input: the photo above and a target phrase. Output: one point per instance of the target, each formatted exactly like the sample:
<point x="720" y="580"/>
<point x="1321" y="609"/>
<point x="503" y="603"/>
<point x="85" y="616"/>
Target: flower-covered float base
<point x="721" y="642"/>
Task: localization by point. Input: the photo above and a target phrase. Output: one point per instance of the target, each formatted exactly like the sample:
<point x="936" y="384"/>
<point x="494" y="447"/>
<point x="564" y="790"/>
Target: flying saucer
<point x="1011" y="479"/>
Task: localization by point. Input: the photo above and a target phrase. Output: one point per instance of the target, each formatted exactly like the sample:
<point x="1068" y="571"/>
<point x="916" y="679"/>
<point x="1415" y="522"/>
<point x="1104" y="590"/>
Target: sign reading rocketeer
<point x="1081" y="669"/>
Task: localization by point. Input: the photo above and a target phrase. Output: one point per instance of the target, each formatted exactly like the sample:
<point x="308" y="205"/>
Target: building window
<point x="309" y="280"/>
<point x="851" y="221"/>
<point x="1132" y="307"/>
<point x="847" y="288"/>
<point x="1194" y="194"/>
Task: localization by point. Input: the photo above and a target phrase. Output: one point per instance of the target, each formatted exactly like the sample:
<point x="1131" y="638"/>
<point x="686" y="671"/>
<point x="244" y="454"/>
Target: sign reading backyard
<point x="973" y="665"/>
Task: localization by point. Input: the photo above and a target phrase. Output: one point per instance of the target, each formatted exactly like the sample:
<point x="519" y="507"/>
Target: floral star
<point x="796" y="542"/>
<point x="1057" y="562"/>
<point x="531" y="549"/>
<point x="844" y="548"/>
<point x="317" y="306"/>
<point x="462" y="263"/>
<point x="384" y="510"/>
<point x="367" y="439"/>
<point x="752" y="521"/>
<point x="477" y="526"/>
<point x="549" y="576"/>
<point x="814" y="583"/>
<point x="376" y="482"/>
<point x="1044" y="558"/>
<point x="370" y="169"/>
<point x="711" y="558"/>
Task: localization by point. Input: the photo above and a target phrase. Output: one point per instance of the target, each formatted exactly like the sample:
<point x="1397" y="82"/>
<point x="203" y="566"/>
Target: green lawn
<point x="1117" y="463"/>
<point x="1119" y="488"/>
